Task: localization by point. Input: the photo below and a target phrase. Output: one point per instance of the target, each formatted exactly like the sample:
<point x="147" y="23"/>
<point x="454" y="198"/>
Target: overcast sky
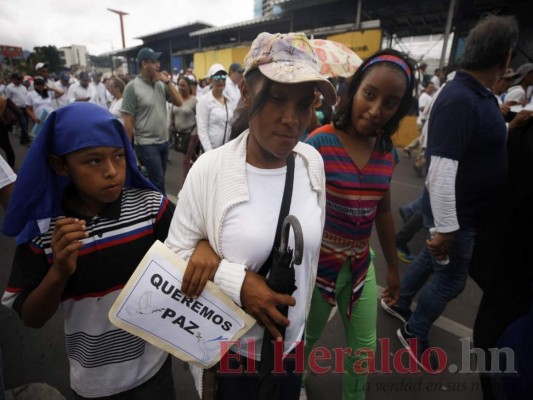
<point x="31" y="23"/>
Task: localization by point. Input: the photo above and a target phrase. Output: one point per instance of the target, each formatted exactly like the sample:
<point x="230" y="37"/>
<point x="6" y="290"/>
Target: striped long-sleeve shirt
<point x="352" y="197"/>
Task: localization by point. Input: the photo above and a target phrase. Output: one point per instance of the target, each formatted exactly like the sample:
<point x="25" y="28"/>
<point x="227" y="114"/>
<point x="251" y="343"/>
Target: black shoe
<point x="419" y="350"/>
<point x="404" y="254"/>
<point x="395" y="311"/>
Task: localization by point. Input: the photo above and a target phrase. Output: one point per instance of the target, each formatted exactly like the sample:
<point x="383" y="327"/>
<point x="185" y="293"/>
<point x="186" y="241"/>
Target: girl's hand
<point x="202" y="267"/>
<point x="66" y="243"/>
<point x="391" y="294"/>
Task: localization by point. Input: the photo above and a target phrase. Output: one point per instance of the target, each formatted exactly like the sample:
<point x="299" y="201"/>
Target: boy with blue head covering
<point x="84" y="217"/>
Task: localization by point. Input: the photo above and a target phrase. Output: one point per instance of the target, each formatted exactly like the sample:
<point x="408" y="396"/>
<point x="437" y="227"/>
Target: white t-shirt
<point x="423" y="102"/>
<point x="516" y="93"/>
<point x="39" y="104"/>
<point x="63" y="99"/>
<point x="251" y="243"/>
<point x="436" y="81"/>
<point x="17" y="94"/>
<point x="102" y="95"/>
<point x="76" y="92"/>
<point x="114" y="108"/>
<point x="7" y="175"/>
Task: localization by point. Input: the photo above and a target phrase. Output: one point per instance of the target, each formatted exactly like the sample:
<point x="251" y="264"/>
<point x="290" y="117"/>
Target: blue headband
<point x="391" y="59"/>
<point x="38" y="190"/>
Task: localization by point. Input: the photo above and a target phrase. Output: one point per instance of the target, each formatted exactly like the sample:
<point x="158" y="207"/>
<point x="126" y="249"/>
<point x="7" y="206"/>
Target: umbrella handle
<point x="291" y="220"/>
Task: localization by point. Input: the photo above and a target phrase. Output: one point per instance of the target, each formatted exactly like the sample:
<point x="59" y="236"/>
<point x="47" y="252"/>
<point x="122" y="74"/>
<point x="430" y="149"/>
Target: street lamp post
<point x="120" y="14"/>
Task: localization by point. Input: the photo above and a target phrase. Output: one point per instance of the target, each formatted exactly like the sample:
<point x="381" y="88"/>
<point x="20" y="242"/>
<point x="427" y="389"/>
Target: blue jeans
<point x="410" y="208"/>
<point x="154" y="158"/>
<point x="447" y="283"/>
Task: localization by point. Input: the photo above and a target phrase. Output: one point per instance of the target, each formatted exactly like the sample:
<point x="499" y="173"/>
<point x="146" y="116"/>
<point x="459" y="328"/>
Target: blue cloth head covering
<point x="38" y="190"/>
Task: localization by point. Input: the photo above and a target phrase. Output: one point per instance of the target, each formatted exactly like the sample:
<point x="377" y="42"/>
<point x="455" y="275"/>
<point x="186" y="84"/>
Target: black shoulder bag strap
<point x="283" y="212"/>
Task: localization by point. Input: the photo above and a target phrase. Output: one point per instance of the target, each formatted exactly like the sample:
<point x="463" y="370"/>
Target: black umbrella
<point x="282" y="280"/>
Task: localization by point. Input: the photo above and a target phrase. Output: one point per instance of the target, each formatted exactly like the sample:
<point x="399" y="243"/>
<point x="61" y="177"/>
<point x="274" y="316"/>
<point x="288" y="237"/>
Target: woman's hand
<point x="391" y="294"/>
<point x="260" y="302"/>
<point x="202" y="267"/>
<point x="66" y="243"/>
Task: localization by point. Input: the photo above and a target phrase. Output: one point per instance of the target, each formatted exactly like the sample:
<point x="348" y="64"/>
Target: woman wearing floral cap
<point x="232" y="196"/>
<point x="359" y="161"/>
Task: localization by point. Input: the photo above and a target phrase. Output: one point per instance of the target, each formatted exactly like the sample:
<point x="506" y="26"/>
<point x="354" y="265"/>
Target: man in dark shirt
<point x="467" y="162"/>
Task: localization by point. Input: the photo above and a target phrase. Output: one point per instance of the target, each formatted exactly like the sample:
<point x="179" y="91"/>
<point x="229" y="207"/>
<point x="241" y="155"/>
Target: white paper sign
<point x="152" y="306"/>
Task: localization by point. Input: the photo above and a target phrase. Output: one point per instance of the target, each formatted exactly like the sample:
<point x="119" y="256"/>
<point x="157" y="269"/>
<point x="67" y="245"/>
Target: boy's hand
<point x="66" y="243"/>
<point x="260" y="302"/>
<point x="202" y="267"/>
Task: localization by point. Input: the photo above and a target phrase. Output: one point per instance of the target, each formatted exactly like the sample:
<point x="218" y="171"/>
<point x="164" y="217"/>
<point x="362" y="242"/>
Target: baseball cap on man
<point x="288" y="58"/>
<point x="523" y="70"/>
<point x="40" y="66"/>
<point x="64" y="76"/>
<point x="147" y="53"/>
<point x="215" y="69"/>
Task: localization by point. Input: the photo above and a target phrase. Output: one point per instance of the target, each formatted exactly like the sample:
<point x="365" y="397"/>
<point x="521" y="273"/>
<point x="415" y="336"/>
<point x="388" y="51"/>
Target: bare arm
<point x="385" y="229"/>
<point x="31" y="114"/>
<point x="5" y="194"/>
<point x="175" y="96"/>
<point x="129" y="122"/>
<point x="43" y="301"/>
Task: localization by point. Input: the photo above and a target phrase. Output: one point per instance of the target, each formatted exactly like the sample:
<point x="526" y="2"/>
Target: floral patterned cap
<point x="288" y="58"/>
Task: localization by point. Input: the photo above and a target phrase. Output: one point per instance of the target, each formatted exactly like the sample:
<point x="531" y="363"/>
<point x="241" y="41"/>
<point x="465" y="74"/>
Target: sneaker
<point x="396" y="311"/>
<point x="418" y="350"/>
<point x="404" y="254"/>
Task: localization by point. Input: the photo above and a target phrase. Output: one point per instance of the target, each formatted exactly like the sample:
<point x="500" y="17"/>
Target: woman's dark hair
<point x="190" y="82"/>
<point x="342" y="117"/>
<point x="244" y="111"/>
<point x="43" y="92"/>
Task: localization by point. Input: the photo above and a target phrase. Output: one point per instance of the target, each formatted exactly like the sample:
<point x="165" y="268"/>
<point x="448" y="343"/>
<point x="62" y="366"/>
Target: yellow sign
<point x="364" y="42"/>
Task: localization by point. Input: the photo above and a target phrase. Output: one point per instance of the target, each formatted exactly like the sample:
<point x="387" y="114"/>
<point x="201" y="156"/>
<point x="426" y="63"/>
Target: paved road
<point x="32" y="355"/>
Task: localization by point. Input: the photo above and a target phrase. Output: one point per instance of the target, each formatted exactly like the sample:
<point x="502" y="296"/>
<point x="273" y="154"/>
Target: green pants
<point x="360" y="331"/>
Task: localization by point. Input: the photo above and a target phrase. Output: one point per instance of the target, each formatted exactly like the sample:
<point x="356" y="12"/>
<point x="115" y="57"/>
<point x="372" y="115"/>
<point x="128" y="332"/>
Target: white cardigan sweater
<point x="215" y="183"/>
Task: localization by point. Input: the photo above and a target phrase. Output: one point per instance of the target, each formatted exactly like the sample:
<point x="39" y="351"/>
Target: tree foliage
<point x="47" y="54"/>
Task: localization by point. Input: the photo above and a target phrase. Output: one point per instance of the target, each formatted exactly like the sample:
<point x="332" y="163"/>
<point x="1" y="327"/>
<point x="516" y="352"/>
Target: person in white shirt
<point x="41" y="69"/>
<point x="436" y="78"/>
<point x="39" y="102"/>
<point x="63" y="84"/>
<point x="100" y="88"/>
<point x="233" y="192"/>
<point x="517" y="94"/>
<point x="83" y="91"/>
<point x="116" y="87"/>
<point x="423" y="101"/>
<point x="17" y="92"/>
<point x="232" y="91"/>
<point x="213" y="113"/>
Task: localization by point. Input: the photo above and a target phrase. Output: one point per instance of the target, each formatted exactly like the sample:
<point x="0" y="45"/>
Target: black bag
<point x="181" y="139"/>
